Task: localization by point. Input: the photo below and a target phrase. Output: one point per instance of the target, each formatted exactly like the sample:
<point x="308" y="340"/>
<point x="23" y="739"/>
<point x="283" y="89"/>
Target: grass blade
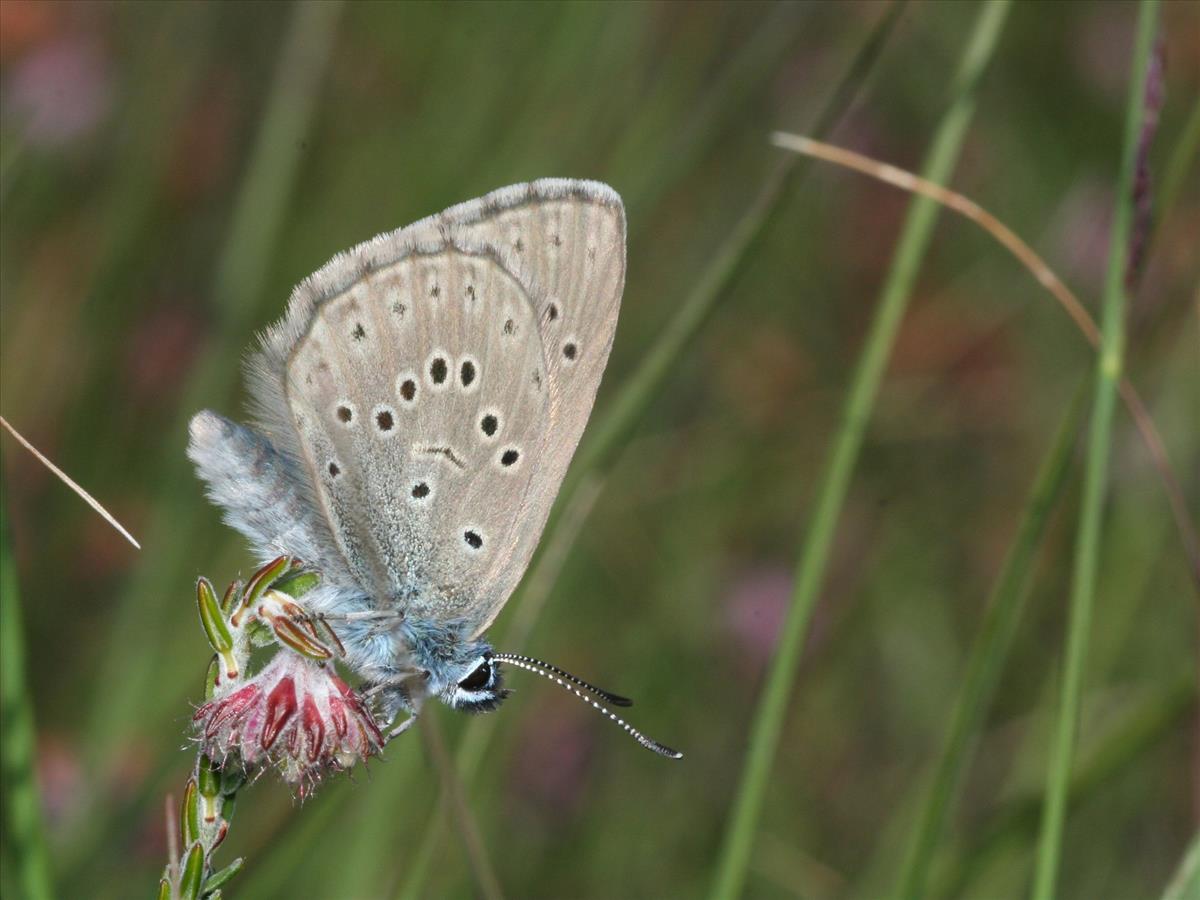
<point x="610" y="433"/>
<point x="1136" y="733"/>
<point x="254" y="232"/>
<point x="1087" y="547"/>
<point x="989" y="653"/>
<point x="768" y="720"/>
<point x="25" y="835"/>
<point x="1186" y="881"/>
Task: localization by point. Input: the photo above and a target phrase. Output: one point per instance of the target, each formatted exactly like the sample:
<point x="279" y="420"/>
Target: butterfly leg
<point x="401" y="728"/>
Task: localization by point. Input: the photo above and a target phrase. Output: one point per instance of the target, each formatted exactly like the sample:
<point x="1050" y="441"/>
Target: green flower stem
<point x="18" y="748"/>
<point x="1087" y="546"/>
<point x="772" y="707"/>
<point x="990" y="650"/>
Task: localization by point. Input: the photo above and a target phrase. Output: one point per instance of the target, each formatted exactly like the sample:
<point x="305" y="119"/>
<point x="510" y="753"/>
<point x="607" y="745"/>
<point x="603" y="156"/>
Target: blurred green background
<point x="169" y="171"/>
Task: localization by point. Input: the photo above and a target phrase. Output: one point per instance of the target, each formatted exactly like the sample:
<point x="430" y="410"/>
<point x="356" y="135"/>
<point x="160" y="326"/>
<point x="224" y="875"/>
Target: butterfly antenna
<point x="570" y="683"/>
<point x="614" y="699"/>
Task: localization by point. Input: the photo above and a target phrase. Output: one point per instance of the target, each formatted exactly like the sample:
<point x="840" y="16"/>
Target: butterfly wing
<point x="433" y="384"/>
<point x="410" y="379"/>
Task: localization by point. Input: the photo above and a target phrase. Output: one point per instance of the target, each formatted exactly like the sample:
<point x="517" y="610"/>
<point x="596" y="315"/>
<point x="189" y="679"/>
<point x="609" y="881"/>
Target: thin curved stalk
<point x="1087" y="546"/>
<point x="772" y="707"/>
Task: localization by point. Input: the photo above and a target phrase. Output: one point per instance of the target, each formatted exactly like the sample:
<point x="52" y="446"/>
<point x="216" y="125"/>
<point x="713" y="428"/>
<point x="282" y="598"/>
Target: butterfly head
<point x="477" y="684"/>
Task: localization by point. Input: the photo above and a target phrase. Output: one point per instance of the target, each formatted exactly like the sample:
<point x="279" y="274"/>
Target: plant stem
<point x="1132" y="735"/>
<point x="453" y="794"/>
<point x="22" y="800"/>
<point x="769" y="716"/>
<point x="1087" y="547"/>
<point x="989" y="652"/>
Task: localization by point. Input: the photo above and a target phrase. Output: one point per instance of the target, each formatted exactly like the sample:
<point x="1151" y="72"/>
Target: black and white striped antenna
<point x="571" y="683"/>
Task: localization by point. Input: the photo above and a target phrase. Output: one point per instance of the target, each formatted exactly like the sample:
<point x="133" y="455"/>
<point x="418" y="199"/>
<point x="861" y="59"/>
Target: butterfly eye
<point x="478" y="679"/>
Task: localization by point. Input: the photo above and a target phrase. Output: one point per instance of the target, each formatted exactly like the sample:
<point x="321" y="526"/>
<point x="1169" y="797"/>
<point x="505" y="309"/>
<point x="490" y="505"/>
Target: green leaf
<point x="208" y="776"/>
<point x="214" y="624"/>
<point x="217" y="879"/>
<point x="299" y="584"/>
<point x="189" y="813"/>
<point x="193" y="873"/>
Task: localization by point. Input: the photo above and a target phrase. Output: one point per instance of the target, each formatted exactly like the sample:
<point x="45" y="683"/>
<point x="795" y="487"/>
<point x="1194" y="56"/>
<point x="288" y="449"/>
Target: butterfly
<point x="416" y="411"/>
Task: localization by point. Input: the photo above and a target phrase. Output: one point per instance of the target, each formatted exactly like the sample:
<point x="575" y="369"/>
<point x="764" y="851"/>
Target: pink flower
<point x="295" y="715"/>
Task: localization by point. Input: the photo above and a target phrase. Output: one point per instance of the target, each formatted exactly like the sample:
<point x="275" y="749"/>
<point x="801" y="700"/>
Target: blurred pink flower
<point x="754" y="610"/>
<point x="295" y="715"/>
<point x="60" y="90"/>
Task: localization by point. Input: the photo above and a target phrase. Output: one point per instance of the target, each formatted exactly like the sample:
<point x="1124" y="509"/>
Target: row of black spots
<point x="439" y="372"/>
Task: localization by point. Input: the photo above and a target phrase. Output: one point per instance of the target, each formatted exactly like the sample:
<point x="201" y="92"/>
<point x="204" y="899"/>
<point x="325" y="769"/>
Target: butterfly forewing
<point x="419" y="397"/>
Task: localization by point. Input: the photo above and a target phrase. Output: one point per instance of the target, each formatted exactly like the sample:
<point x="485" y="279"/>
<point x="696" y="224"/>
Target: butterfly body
<point x="417" y="408"/>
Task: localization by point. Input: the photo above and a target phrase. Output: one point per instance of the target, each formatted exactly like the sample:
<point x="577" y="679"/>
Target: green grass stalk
<point x="1186" y="881"/>
<point x="769" y="716"/>
<point x="266" y="187"/>
<point x="612" y="430"/>
<point x="1087" y="547"/>
<point x="989" y="653"/>
<point x="1136" y="733"/>
<point x="25" y="835"/>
